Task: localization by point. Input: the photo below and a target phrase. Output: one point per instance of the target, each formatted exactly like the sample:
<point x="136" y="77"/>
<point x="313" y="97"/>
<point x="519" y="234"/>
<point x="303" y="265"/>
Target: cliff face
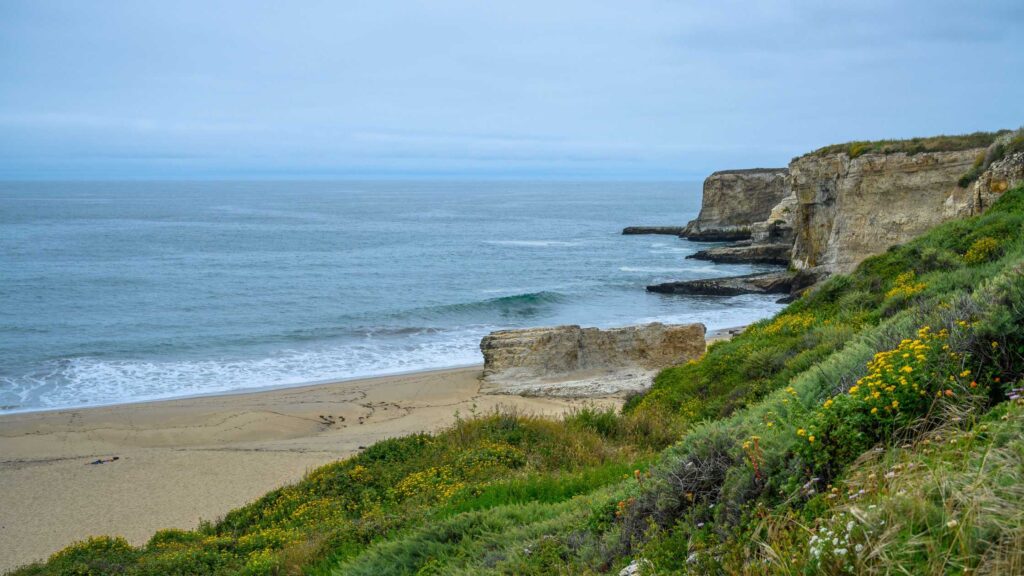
<point x="734" y="200"/>
<point x="850" y="208"/>
<point x="574" y="361"/>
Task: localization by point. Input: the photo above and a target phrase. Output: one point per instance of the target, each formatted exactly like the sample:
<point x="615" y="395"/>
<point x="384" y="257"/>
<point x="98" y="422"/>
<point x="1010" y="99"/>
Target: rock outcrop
<point x="832" y="208"/>
<point x="669" y="230"/>
<point x="578" y="362"/>
<point x="766" y="283"/>
<point x="1000" y="176"/>
<point x="734" y="200"/>
<point x="851" y="208"/>
<point x="747" y="252"/>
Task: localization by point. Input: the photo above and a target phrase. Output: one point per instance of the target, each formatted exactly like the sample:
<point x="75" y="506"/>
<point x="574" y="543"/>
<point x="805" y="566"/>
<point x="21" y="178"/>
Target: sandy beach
<point x="182" y="461"/>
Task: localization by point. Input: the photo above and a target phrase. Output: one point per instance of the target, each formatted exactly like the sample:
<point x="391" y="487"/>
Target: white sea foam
<point x="531" y="243"/>
<point x="726" y="313"/>
<point x="671" y="250"/>
<point x="92" y="381"/>
<point x="663" y="270"/>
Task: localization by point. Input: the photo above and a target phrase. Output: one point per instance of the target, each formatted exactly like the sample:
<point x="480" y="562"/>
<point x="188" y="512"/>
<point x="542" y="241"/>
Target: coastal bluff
<point x="849" y="208"/>
<point x="832" y="208"/>
<point x="571" y="361"/>
<point x="733" y="200"/>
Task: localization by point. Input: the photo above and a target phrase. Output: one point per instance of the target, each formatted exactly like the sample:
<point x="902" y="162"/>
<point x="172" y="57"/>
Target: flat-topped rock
<point x="746" y="253"/>
<point x="575" y="361"/>
<point x="766" y="283"/>
<point x="668" y="230"/>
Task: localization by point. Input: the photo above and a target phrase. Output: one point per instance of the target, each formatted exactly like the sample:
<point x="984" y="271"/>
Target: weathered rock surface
<point x="1000" y="176"/>
<point x="746" y="253"/>
<point x="766" y="283"/>
<point x="733" y="200"/>
<point x="778" y="227"/>
<point x="851" y="208"/>
<point x="670" y="230"/>
<point x="578" y="362"/>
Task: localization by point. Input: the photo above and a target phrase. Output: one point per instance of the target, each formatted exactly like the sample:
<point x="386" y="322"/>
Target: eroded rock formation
<point x="575" y="361"/>
<point x="733" y="200"/>
<point x="764" y="283"/>
<point x="851" y="208"/>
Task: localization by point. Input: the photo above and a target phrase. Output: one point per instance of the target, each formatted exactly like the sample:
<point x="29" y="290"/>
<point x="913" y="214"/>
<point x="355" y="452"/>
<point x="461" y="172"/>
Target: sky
<point x="590" y="89"/>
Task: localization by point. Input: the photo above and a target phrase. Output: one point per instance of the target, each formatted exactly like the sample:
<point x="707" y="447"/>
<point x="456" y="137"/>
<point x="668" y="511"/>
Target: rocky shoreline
<point x="822" y="214"/>
<point x="763" y="283"/>
<point x="745" y="253"/>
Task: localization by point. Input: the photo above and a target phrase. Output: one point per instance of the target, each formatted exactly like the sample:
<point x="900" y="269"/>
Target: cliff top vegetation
<point x="911" y="146"/>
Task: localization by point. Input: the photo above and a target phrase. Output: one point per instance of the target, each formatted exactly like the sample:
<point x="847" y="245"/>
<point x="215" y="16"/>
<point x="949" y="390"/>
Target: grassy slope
<point x="763" y="468"/>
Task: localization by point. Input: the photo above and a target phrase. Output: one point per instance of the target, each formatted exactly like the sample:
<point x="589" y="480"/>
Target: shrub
<point x="982" y="250"/>
<point x="905" y="286"/>
<point x="902" y="388"/>
<point x="93" y="557"/>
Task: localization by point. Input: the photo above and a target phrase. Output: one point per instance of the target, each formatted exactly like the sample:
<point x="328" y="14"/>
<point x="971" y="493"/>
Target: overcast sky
<point x="549" y="89"/>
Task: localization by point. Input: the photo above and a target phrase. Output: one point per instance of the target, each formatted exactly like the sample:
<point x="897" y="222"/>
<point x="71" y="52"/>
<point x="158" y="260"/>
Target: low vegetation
<point x="1006" y="145"/>
<point x="912" y="145"/>
<point x="874" y="426"/>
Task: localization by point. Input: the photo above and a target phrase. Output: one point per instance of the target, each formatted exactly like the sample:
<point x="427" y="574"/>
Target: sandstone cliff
<point x="850" y="208"/>
<point x="575" y="361"/>
<point x="733" y="200"/>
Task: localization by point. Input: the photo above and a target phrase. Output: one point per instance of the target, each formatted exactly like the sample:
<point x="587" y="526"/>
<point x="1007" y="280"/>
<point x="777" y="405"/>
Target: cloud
<point x="609" y="89"/>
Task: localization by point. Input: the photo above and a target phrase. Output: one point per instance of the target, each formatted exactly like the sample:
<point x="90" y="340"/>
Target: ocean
<point x="114" y="292"/>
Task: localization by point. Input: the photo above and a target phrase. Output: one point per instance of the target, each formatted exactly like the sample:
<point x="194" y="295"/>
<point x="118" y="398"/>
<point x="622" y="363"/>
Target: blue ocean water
<point x="128" y="291"/>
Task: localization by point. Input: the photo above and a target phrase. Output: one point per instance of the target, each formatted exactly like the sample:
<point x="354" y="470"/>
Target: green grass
<point x="544" y="488"/>
<point x="912" y="145"/>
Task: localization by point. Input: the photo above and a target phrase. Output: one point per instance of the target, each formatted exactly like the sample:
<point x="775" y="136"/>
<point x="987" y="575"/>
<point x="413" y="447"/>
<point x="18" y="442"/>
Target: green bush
<point x="93" y="557"/>
<point x="905" y="387"/>
<point x="982" y="250"/>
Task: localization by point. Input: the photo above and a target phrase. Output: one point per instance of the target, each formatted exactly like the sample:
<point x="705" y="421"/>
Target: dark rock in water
<point x="767" y="283"/>
<point x="717" y="234"/>
<point x="669" y="230"/>
<point x="746" y="253"/>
